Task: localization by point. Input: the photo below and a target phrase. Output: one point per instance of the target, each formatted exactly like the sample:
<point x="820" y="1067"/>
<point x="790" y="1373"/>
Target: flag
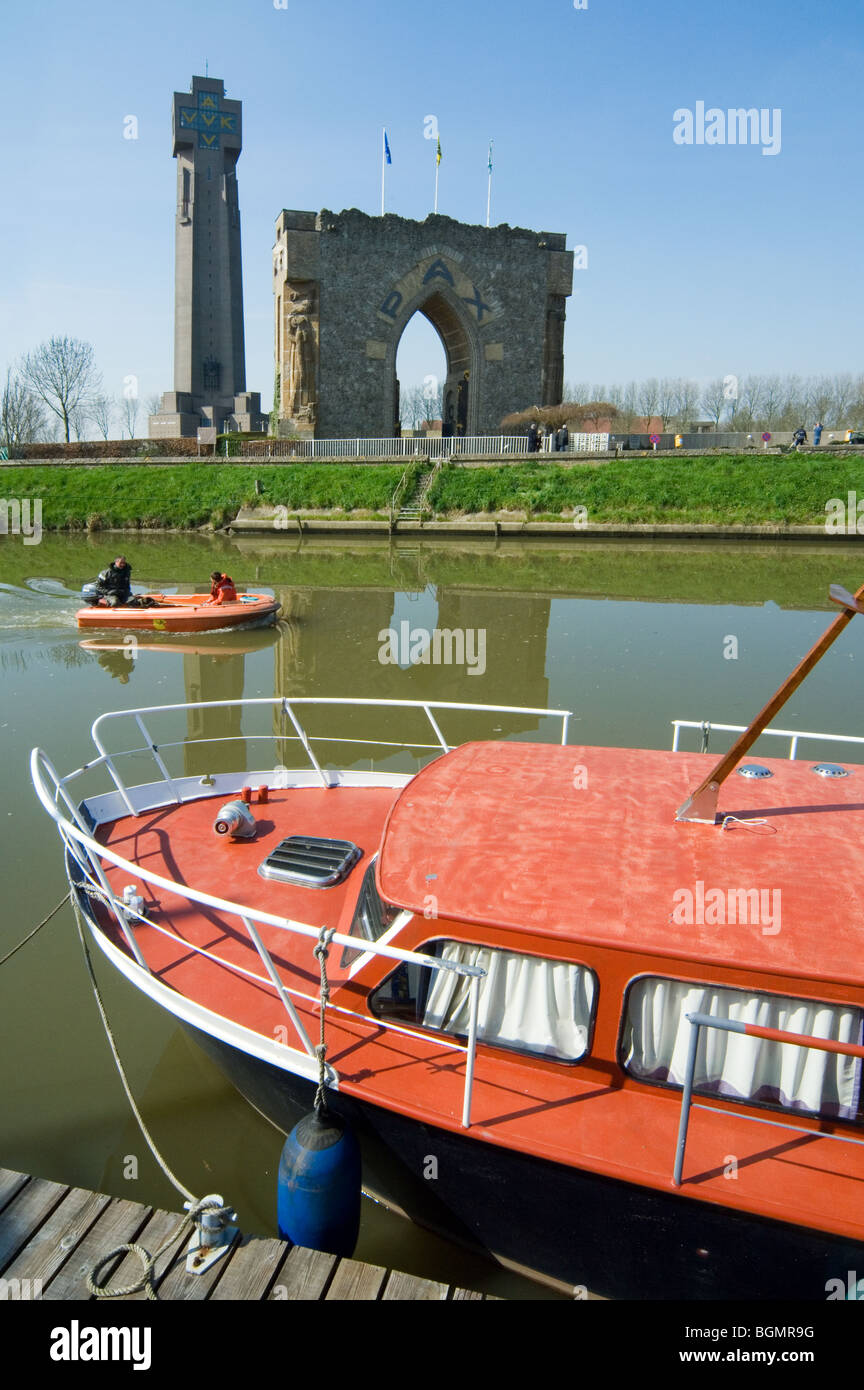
<point x="387" y="149"/>
<point x="490" y="156"/>
<point x="438" y="155"/>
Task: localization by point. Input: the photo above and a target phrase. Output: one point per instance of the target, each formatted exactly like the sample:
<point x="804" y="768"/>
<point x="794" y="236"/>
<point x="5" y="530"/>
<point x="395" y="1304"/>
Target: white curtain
<point x="657" y="1033"/>
<point x="535" y="1005"/>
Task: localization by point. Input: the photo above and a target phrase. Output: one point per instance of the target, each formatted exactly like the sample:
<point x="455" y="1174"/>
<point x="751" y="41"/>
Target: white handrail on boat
<point x="793" y="734"/>
<point x="751" y="1030"/>
<point x="286" y="705"/>
<point x="387" y="1024"/>
<point x="72" y="830"/>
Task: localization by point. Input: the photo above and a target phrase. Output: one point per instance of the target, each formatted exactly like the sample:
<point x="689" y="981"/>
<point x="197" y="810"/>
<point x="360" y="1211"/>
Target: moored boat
<point x="183" y="613"/>
<point x="535" y="968"/>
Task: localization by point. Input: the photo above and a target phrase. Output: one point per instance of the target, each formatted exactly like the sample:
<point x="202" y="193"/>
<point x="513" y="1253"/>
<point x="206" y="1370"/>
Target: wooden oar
<point x="701" y="805"/>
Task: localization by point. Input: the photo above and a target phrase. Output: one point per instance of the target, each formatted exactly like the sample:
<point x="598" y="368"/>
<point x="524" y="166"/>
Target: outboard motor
<point x="235" y="819"/>
<point x="90" y="593"/>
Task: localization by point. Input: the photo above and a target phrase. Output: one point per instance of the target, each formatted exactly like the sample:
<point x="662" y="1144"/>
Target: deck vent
<point x="313" y="862"/>
<point x="754" y="770"/>
<point x="831" y="770"/>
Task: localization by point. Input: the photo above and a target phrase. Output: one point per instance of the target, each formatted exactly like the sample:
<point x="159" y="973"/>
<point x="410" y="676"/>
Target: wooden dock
<point x="52" y="1235"/>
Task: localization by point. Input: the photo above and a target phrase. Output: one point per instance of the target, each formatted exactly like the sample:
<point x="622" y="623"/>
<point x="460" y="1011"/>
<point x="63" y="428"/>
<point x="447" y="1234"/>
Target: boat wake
<point x="43" y="603"/>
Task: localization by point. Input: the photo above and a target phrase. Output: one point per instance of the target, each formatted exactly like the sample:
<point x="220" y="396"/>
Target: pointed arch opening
<point x="458" y="396"/>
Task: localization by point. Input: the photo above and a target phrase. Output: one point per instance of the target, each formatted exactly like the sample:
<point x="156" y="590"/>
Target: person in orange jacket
<point x="221" y="589"/>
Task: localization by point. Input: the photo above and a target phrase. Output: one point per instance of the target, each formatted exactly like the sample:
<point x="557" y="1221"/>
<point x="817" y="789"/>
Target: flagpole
<point x="489" y="194"/>
<point x="437" y="167"/>
<point x="383" y="165"/>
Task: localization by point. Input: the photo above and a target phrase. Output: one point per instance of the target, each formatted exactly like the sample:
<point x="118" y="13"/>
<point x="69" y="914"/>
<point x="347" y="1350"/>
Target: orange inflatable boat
<point x="184" y="613"/>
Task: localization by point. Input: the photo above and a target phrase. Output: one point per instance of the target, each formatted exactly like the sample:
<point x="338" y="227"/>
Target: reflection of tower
<point x="338" y="653"/>
<point x="214" y="678"/>
<point x="209" y="349"/>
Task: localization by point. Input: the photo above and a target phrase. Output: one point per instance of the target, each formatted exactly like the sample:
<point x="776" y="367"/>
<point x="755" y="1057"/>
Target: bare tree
<point x="101" y="411"/>
<point x="648" y="399"/>
<point x="845" y="390"/>
<point x="667" y="400"/>
<point x="22" y="419"/>
<point x="821" y="398"/>
<point x="713" y="401"/>
<point x="130" y="414"/>
<point x="411" y="407"/>
<point x="686" y="401"/>
<point x="62" y="374"/>
<point x="153" y="404"/>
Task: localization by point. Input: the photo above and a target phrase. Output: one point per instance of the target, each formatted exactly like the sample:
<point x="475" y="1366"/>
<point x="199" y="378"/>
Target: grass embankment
<point x="790" y="489"/>
<point x="194" y="494"/>
<point x="779" y="489"/>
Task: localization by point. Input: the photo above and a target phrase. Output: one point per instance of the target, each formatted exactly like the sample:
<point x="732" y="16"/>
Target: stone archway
<point x="462" y="352"/>
<point x="496" y="296"/>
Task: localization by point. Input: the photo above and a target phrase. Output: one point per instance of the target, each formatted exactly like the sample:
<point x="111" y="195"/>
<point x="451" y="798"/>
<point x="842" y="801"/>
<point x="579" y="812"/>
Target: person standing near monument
<point x="562" y="439"/>
<point x="533" y="437"/>
<point x="817" y="434"/>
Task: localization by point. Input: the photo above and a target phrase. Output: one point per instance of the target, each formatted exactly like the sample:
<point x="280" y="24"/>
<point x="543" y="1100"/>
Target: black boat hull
<point x="613" y="1238"/>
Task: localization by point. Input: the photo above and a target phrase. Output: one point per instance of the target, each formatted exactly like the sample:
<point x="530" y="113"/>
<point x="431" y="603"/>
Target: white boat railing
<point x="90" y="854"/>
<point x="778" y="1035"/>
<point x="707" y="727"/>
<point x="286" y="707"/>
<point x="77" y="837"/>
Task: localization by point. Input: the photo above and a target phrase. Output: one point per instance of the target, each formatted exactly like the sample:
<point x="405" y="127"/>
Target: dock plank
<point x="119" y="1223"/>
<point x="304" y="1275"/>
<point x="161" y="1227"/>
<point x="22" y="1217"/>
<point x="52" y="1245"/>
<point x="10" y="1183"/>
<point x="252" y="1267"/>
<point x="355" y="1282"/>
<point x="179" y="1286"/>
<point x="57" y="1235"/>
<point x="410" y="1286"/>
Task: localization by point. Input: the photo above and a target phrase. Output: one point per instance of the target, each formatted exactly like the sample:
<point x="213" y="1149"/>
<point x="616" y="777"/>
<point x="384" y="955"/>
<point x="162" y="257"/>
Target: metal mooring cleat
<point x="212" y="1236"/>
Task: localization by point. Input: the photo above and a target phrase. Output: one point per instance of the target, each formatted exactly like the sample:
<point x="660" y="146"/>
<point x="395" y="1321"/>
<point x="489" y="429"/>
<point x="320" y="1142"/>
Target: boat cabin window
<point x="656" y="1034"/>
<point x="372" y="916"/>
<point x="527" y="1004"/>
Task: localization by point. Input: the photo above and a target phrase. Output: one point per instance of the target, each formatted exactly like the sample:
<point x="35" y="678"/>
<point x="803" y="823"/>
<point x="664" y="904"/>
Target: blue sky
<point x="702" y="260"/>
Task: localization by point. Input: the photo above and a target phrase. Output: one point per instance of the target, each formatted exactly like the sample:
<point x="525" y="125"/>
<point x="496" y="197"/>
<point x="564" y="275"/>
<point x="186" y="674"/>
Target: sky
<point x="703" y="259"/>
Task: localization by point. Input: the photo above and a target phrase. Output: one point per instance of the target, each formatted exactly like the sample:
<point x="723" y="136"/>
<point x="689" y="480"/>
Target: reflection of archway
<point x="461" y="350"/>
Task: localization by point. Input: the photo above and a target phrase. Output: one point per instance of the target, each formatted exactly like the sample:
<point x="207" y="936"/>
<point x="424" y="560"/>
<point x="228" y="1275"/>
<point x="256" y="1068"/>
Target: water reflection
<point x="628" y="636"/>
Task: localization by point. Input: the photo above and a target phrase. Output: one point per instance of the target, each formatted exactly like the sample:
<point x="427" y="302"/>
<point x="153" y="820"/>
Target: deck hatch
<point x="311" y="861"/>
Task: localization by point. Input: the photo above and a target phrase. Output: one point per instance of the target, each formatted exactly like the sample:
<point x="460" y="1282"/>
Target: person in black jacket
<point x="114" y="584"/>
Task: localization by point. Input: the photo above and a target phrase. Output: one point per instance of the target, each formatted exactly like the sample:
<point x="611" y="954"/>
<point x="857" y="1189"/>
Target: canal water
<point x="627" y="636"/>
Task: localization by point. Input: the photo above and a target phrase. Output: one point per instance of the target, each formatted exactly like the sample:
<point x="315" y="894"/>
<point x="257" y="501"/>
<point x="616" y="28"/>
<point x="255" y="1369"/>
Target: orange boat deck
<point x="591" y="1115"/>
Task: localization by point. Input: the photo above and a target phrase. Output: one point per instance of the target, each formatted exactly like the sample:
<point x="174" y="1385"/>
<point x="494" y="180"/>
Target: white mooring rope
<point x="195" y="1205"/>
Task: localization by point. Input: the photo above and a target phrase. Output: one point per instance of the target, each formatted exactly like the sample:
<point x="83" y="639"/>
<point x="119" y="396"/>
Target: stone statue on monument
<point x="300" y="387"/>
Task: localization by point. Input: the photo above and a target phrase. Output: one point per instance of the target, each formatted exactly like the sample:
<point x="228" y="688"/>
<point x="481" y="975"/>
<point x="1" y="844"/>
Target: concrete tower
<point x="209" y="350"/>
